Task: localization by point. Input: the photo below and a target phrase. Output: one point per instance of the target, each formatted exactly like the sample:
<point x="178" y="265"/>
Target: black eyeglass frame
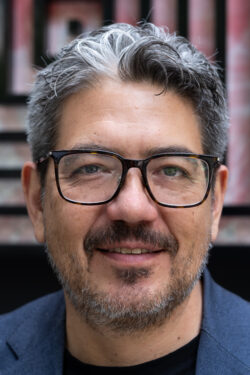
<point x="213" y="163"/>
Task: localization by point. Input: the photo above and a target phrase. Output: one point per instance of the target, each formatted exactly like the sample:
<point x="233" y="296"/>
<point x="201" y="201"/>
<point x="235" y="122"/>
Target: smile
<point x="135" y="251"/>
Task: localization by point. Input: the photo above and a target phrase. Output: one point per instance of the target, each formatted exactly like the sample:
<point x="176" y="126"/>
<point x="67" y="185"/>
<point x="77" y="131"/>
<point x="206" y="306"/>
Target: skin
<point x="130" y="119"/>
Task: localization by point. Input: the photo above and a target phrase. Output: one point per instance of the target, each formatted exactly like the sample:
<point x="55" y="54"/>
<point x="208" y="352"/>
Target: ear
<point x="32" y="193"/>
<point x="218" y="198"/>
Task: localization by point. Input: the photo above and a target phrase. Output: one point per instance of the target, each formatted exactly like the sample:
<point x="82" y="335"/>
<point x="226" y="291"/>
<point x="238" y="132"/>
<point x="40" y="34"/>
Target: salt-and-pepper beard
<point x="138" y="311"/>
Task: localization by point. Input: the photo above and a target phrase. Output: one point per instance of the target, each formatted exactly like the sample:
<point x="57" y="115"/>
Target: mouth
<point x="128" y="251"/>
<point x="130" y="255"/>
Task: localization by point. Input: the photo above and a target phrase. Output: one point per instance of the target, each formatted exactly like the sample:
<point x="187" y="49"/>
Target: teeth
<point x="136" y="251"/>
<point x="123" y="250"/>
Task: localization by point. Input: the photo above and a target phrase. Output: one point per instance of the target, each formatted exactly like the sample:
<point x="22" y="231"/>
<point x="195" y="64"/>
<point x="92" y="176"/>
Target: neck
<point x="108" y="348"/>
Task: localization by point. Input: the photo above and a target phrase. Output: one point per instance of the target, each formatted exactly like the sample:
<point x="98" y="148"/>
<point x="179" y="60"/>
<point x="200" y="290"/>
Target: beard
<point x="133" y="308"/>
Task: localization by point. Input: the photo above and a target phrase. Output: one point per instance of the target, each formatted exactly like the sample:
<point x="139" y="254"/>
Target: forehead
<point x="128" y="118"/>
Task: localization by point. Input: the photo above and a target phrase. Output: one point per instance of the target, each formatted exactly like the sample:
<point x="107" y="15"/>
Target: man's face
<point x="108" y="287"/>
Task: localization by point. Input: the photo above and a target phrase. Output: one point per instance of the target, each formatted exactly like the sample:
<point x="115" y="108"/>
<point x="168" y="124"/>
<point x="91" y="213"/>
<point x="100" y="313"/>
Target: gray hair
<point x="135" y="54"/>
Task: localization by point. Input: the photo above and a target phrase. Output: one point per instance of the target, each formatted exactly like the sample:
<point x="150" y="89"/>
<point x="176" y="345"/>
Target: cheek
<point x="70" y="221"/>
<point x="64" y="234"/>
<point x="192" y="229"/>
<point x="190" y="226"/>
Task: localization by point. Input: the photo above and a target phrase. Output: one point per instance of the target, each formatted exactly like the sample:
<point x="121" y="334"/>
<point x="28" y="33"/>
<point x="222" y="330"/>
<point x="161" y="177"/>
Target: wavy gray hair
<point x="128" y="53"/>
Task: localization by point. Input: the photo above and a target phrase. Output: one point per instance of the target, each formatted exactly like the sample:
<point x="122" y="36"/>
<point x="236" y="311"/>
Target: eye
<point x="89" y="169"/>
<point x="172" y="171"/>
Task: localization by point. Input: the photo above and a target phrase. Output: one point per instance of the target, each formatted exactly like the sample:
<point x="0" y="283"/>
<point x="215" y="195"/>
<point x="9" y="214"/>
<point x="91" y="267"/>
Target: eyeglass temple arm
<point x="43" y="158"/>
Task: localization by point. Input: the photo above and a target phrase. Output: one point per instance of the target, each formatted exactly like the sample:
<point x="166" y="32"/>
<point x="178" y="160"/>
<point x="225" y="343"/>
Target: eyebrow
<point x="148" y="153"/>
<point x="170" y="149"/>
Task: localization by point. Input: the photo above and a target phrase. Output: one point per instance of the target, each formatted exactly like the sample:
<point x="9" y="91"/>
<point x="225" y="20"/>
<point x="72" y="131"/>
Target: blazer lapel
<point x="46" y="359"/>
<point x="225" y="332"/>
<point x="38" y="342"/>
<point x="214" y="359"/>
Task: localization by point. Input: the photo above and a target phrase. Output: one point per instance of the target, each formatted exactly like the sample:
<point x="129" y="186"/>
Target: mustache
<point x="120" y="231"/>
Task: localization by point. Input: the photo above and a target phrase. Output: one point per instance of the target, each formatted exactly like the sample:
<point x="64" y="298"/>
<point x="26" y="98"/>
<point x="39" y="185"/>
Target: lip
<point x="130" y="245"/>
<point x="130" y="259"/>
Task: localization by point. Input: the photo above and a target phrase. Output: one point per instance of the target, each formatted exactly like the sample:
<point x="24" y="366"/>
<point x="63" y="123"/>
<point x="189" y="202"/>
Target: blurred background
<point x="31" y="33"/>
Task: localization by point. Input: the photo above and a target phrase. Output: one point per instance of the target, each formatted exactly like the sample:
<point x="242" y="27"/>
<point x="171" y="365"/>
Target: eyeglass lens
<point x="92" y="178"/>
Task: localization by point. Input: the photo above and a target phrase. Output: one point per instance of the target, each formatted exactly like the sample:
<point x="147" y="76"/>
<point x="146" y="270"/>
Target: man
<point x="127" y="129"/>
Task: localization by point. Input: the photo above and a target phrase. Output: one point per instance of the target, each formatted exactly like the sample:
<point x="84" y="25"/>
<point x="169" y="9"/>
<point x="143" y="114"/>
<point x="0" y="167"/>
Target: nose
<point x="133" y="203"/>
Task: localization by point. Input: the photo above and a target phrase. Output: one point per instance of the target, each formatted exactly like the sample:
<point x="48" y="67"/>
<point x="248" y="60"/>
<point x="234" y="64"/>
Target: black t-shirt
<point x="180" y="362"/>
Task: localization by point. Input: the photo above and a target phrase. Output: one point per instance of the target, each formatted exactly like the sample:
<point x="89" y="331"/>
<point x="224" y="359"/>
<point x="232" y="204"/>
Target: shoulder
<point x="40" y="308"/>
<point x="224" y="305"/>
<point x="226" y="319"/>
<point x="32" y="321"/>
<point x="34" y="333"/>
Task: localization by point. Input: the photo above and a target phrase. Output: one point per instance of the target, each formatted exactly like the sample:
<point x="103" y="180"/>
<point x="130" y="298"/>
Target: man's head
<point x="135" y="93"/>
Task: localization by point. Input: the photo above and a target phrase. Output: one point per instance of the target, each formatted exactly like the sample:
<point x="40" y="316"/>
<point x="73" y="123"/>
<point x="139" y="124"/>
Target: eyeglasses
<point x="90" y="177"/>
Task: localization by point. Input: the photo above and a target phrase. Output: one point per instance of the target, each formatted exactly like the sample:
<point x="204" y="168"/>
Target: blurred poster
<point x="164" y="13"/>
<point x="68" y="19"/>
<point x="127" y="11"/>
<point x="63" y="21"/>
<point x="21" y="74"/>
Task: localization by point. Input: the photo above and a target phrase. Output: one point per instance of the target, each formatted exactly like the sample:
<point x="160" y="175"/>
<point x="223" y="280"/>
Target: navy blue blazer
<point x="32" y="337"/>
